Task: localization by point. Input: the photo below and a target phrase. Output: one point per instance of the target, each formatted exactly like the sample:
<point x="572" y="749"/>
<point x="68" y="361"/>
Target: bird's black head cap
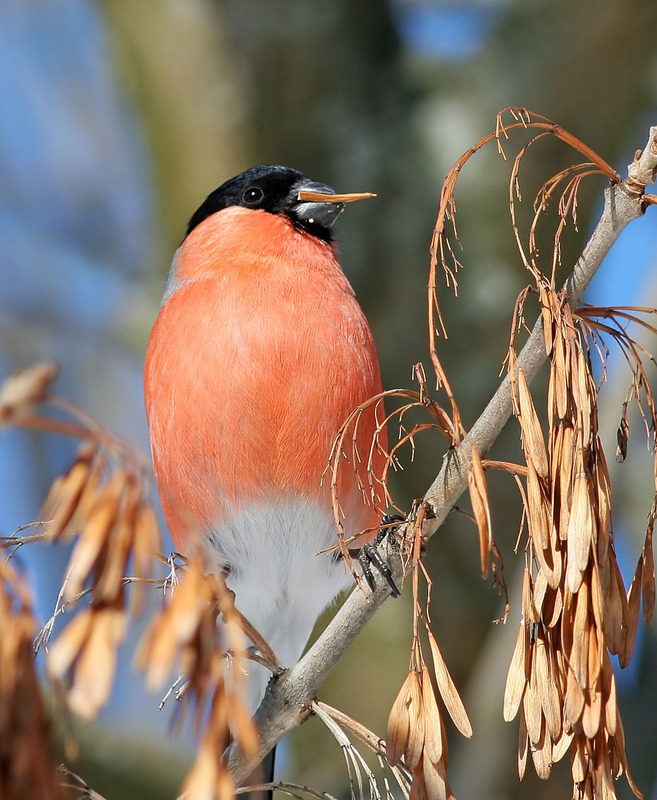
<point x="273" y="189"/>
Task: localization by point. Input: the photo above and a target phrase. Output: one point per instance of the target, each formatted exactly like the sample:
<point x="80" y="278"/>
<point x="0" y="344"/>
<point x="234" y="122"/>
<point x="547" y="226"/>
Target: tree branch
<point x="286" y="703"/>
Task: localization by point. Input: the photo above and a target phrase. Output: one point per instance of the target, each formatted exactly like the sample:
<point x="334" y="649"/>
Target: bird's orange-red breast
<point x="259" y="352"/>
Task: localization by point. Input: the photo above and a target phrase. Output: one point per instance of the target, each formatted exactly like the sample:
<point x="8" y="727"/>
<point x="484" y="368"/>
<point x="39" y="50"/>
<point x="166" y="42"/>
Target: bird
<point x="258" y="354"/>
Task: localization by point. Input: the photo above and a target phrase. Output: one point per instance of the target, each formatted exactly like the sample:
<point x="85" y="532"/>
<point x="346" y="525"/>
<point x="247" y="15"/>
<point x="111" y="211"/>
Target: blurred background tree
<point x="118" y="117"/>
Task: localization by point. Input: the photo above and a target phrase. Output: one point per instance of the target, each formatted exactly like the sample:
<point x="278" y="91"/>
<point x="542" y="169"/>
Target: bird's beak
<point x="317" y="203"/>
<point x="309" y="196"/>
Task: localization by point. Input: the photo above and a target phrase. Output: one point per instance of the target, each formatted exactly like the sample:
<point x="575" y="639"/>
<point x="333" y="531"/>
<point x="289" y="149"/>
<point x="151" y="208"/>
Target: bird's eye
<point x="252" y="196"/>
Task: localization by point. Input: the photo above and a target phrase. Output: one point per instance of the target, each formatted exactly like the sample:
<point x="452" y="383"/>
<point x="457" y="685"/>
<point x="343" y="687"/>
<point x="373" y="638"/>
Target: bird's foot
<point x="369" y="556"/>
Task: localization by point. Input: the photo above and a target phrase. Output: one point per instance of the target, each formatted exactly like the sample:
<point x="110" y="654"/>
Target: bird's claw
<point x="369" y="556"/>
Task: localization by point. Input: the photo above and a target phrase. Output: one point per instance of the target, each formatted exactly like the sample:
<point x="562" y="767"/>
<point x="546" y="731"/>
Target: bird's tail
<point x="263" y="773"/>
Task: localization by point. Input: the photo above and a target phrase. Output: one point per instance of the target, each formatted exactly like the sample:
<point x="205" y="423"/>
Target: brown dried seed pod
<point x="96" y="665"/>
<point x="580" y="533"/>
<point x="523" y="745"/>
<point x="558" y="375"/>
<point x="93" y="488"/>
<point x="547" y="317"/>
<point x="561" y="669"/>
<point x="597" y="601"/>
<point x="530" y="612"/>
<point x="404" y="739"/>
<point x="147" y="541"/>
<point x="567" y="622"/>
<point x="596" y="652"/>
<point x="146" y="546"/>
<point x="615" y="605"/>
<point x="415" y="742"/>
<point x="530" y="426"/>
<point x="542" y="755"/>
<point x="602" y="494"/>
<point x="66" y="492"/>
<point x="552" y="607"/>
<point x="564" y="463"/>
<point x="448" y="691"/>
<point x="620" y="597"/>
<point x="561" y="746"/>
<point x="539" y="590"/>
<point x="573" y="702"/>
<point x="633" y="606"/>
<point x="608" y="683"/>
<point x="551" y="404"/>
<point x="24" y="390"/>
<point x="548" y="692"/>
<point x="592" y="713"/>
<point x="517" y="674"/>
<point x="579" y="652"/>
<point x="68" y="644"/>
<point x="93" y="541"/>
<point x="433" y="724"/>
<point x="399" y="723"/>
<point x="579" y="767"/>
<point x="585" y="397"/>
<point x="480" y="508"/>
<point x="531" y="705"/>
<point x="435" y="780"/>
<point x="551" y="563"/>
<point x="110" y="579"/>
<point x="622" y="435"/>
<point x="537" y="509"/>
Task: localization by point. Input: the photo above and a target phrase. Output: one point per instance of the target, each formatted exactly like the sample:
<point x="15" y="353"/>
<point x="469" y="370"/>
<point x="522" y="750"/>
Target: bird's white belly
<point x="280" y="585"/>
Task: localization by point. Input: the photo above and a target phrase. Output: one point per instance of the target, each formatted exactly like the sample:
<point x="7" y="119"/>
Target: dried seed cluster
<point x="27" y="769"/>
<point x="104" y="502"/>
<point x="186" y="633"/>
<point x="576" y="611"/>
<point x="416" y="730"/>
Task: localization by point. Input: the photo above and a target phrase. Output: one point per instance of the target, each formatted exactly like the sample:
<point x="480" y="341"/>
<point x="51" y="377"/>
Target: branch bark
<point x="287" y="701"/>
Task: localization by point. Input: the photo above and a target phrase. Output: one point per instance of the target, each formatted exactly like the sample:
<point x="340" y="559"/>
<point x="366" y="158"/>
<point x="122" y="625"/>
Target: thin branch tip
<point x="643" y="170"/>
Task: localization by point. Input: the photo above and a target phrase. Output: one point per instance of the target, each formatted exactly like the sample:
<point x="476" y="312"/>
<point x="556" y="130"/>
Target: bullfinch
<point x="259" y="353"/>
